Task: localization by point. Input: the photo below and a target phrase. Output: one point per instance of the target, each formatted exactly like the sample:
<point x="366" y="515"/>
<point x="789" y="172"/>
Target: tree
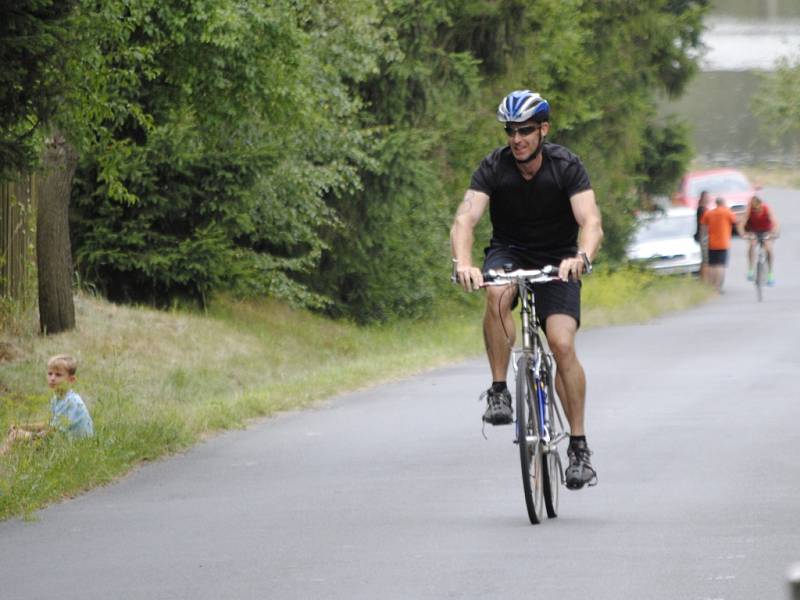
<point x="385" y="261"/>
<point x="775" y="102"/>
<point x="603" y="75"/>
<point x="666" y="152"/>
<point x="31" y="33"/>
<point x="315" y="151"/>
<point x="225" y="131"/>
<point x="53" y="252"/>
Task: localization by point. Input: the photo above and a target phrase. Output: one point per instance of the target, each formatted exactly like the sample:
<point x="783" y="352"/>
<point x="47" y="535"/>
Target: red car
<point x="730" y="184"/>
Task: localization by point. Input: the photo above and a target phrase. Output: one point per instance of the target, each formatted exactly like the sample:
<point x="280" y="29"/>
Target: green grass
<point x="158" y="382"/>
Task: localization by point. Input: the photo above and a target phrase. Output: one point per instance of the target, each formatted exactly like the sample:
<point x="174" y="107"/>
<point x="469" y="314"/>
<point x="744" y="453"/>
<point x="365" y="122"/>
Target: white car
<point x="664" y="241"/>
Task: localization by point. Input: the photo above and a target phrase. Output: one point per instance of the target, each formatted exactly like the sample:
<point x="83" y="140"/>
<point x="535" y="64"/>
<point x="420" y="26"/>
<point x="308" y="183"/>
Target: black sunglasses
<point x="527" y="130"/>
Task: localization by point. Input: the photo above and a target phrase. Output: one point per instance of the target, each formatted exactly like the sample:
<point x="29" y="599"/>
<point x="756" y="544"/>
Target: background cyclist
<point x="543" y="211"/>
<point x="759" y="220"/>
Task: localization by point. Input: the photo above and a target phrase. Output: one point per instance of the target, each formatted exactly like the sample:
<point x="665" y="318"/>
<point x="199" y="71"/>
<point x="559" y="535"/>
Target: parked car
<point x="730" y="184"/>
<point x="664" y="241"/>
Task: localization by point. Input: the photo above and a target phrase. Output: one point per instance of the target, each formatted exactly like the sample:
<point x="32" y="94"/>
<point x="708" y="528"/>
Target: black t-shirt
<point x="534" y="215"/>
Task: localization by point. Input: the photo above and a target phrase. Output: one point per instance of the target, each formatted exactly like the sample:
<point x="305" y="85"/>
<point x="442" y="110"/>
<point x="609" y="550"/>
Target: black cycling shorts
<point x="553" y="298"/>
<point x="718" y="257"/>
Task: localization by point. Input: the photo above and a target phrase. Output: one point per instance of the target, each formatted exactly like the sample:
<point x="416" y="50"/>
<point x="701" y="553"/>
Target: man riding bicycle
<point x="543" y="211"/>
<point x="759" y="220"/>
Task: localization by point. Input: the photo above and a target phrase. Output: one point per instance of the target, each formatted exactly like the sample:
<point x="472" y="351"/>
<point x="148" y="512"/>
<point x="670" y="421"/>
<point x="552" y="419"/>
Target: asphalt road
<point x="392" y="492"/>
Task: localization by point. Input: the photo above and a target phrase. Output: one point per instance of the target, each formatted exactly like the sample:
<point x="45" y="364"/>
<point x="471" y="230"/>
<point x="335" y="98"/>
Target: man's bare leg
<point x="768" y="246"/>
<point x="499" y="331"/>
<point x="570" y="376"/>
<point x="716" y="272"/>
<point x="498" y="335"/>
<point x="571" y="384"/>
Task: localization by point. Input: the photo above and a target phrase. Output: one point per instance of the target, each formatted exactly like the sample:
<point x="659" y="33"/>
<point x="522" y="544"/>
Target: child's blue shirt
<point x="70" y="415"/>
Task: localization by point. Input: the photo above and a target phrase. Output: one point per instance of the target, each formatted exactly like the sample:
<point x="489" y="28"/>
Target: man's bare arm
<point x="587" y="214"/>
<point x="741" y="222"/>
<point x="776" y="226"/>
<point x="468" y="215"/>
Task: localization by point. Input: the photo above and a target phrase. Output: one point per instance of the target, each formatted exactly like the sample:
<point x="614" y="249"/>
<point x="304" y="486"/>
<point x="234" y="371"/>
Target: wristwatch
<point x="587" y="264"/>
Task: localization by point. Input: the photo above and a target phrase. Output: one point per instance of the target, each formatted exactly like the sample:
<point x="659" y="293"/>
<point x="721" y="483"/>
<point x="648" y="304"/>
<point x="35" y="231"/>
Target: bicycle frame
<point x="761" y="262"/>
<point x="534" y="342"/>
<point x="762" y="249"/>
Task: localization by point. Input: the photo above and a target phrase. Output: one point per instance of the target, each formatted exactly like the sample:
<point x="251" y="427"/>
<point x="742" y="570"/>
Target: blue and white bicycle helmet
<point x="522" y="105"/>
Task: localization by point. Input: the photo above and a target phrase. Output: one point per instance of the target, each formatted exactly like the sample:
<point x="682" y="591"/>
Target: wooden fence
<point x="17" y="214"/>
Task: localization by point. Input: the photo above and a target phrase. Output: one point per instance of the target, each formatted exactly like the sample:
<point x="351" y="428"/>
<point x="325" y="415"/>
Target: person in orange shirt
<point x="719" y="223"/>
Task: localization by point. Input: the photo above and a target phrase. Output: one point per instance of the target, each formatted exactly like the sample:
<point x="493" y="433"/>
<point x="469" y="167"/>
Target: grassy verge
<point x="767" y="176"/>
<point x="158" y="382"/>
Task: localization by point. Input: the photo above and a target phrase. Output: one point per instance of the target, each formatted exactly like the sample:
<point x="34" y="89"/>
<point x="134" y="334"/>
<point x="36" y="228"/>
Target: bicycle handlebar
<point x="543" y="275"/>
<point x="763" y="236"/>
<point x="494" y="277"/>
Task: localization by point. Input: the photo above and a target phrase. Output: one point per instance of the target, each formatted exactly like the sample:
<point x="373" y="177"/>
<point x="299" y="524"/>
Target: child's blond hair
<point x="65" y="361"/>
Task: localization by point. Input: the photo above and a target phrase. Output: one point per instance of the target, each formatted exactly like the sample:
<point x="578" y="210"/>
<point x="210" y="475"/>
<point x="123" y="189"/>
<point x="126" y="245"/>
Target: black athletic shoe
<point x="498" y="410"/>
<point x="580" y="471"/>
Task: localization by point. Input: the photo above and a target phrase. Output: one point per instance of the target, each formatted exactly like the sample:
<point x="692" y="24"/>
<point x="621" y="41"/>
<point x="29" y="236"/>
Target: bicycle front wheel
<point x="552" y="481"/>
<point x="529" y="440"/>
<point x="551" y="465"/>
<point x="761" y="274"/>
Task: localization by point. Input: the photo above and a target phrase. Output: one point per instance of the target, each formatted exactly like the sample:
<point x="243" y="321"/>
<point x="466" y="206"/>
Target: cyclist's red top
<point x="759" y="221"/>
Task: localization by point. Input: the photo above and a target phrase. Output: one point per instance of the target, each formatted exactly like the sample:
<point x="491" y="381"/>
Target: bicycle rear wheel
<point x="528" y="438"/>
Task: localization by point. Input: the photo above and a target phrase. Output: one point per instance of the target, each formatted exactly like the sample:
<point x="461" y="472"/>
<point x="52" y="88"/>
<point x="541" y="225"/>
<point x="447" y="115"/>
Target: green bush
<point x="316" y="151"/>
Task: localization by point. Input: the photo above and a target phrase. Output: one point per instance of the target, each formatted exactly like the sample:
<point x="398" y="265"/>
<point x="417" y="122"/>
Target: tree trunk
<point x="53" y="250"/>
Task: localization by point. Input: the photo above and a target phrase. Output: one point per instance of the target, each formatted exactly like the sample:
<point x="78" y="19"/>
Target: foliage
<point x="379" y="265"/>
<point x="775" y="102"/>
<point x="602" y="90"/>
<point x="392" y="250"/>
<point x="211" y="182"/>
<point x="677" y="28"/>
<point x="602" y="76"/>
<point x="315" y="151"/>
<point x="18" y="312"/>
<point x="31" y="33"/>
<point x="665" y="154"/>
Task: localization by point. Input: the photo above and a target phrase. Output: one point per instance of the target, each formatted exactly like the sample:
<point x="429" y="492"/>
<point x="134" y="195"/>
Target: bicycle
<point x="761" y="263"/>
<point x="540" y="418"/>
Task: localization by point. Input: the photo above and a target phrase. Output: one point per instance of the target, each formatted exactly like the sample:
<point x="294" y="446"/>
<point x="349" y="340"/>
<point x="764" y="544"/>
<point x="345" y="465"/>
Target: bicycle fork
<point x="541" y="400"/>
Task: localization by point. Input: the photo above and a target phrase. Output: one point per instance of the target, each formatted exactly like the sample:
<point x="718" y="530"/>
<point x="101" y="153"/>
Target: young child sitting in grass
<point x="68" y="413"/>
